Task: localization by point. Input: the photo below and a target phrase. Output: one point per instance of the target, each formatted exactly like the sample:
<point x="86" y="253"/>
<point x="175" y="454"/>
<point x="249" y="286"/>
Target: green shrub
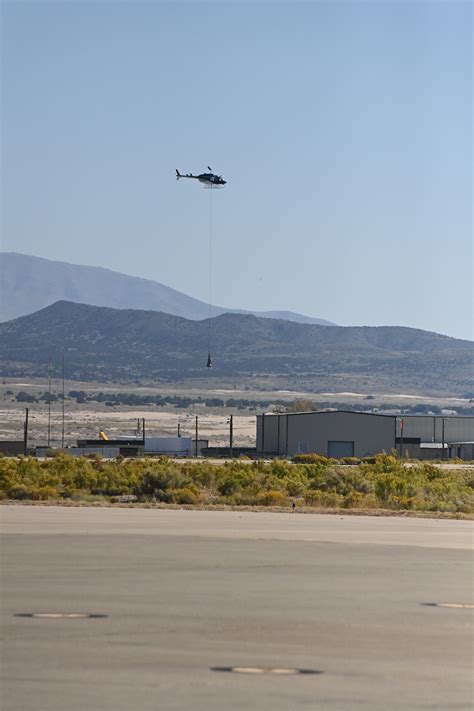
<point x="47" y="492"/>
<point x="154" y="483"/>
<point x="353" y="500"/>
<point x="163" y="496"/>
<point x="309" y="459"/>
<point x="316" y="480"/>
<point x="296" y="484"/>
<point x="389" y="489"/>
<point x="327" y="480"/>
<point x="273" y="498"/>
<point x="231" y="482"/>
<point x="203" y="473"/>
<point x="33" y="493"/>
<point x="267" y="498"/>
<point x="389" y="463"/>
<point x="186" y="496"/>
<point x="19" y="492"/>
<point x="323" y="499"/>
<point x="280" y="468"/>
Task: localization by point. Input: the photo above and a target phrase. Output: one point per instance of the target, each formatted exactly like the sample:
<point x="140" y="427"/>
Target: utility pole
<point x="62" y="428"/>
<point x="197" y="435"/>
<point x="143" y="430"/>
<point x="25" y="433"/>
<point x="442" y="438"/>
<point x="231" y="435"/>
<point x="179" y="429"/>
<point x="401" y="438"/>
<point x="49" y="403"/>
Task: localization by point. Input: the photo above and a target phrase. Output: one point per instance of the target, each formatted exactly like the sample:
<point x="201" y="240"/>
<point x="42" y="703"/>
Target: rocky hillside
<point x="129" y="345"/>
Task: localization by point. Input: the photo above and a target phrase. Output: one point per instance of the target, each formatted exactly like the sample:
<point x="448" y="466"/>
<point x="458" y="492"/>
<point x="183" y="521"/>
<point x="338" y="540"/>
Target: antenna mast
<point x="62" y="429"/>
<point x="49" y="402"/>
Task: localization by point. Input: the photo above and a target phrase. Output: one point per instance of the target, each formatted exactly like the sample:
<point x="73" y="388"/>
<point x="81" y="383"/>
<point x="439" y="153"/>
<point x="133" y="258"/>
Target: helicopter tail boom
<point x="188" y="175"/>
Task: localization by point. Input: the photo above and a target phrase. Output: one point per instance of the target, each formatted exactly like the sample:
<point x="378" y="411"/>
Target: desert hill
<point x="131" y="345"/>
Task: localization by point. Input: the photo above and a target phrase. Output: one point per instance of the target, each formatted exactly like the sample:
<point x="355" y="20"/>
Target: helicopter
<point x="209" y="180"/>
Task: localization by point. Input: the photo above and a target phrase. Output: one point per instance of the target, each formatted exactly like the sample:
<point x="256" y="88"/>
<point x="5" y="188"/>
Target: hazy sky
<point x="344" y="130"/>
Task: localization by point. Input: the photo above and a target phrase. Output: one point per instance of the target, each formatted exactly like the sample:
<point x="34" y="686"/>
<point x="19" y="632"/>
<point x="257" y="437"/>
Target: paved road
<point x="187" y="591"/>
<point x="432" y="533"/>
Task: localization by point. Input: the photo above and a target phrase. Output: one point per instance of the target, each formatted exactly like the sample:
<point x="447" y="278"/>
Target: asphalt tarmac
<point x="181" y="597"/>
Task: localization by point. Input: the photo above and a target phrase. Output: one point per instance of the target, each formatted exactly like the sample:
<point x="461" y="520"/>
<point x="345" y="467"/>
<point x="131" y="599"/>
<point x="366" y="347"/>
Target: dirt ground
<point x="122" y="422"/>
<point x="86" y="420"/>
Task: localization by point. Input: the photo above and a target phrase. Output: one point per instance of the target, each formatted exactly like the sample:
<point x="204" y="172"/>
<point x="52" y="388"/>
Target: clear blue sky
<point x="343" y="128"/>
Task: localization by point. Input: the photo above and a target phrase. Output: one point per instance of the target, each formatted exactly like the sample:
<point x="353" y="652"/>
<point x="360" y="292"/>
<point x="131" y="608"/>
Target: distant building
<point x="433" y="450"/>
<point x="127" y="447"/>
<point x="408" y="447"/>
<point x="137" y="447"/>
<point x="341" y="433"/>
<point x="461" y="450"/>
<point x="12" y="447"/>
<point x="332" y="434"/>
<point x="430" y="428"/>
<point x="171" y="446"/>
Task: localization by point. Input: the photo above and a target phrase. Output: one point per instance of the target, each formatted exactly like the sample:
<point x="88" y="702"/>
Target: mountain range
<point x="31" y="283"/>
<point x="125" y="345"/>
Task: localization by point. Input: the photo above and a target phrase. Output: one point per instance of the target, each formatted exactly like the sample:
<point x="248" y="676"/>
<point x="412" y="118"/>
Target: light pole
<point x="231" y="436"/>
<point x="197" y="436"/>
<point x="49" y="403"/>
<point x="25" y="433"/>
<point x="443" y="419"/>
<point x="62" y="427"/>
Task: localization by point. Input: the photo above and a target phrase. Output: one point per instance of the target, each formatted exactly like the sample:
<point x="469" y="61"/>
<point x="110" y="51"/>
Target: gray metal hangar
<point x="344" y="433"/>
<point x="333" y="434"/>
<point x="436" y="436"/>
<point x="439" y="428"/>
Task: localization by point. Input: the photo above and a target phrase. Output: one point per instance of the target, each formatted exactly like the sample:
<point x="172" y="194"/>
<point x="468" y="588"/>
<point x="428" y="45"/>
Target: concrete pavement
<point x="406" y="531"/>
<point x="187" y="591"/>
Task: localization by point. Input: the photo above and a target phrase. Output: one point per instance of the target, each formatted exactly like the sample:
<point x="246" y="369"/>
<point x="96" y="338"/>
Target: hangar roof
<point x="328" y="412"/>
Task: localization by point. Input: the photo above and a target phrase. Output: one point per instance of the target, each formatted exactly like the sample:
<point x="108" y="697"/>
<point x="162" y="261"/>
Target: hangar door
<point x="337" y="450"/>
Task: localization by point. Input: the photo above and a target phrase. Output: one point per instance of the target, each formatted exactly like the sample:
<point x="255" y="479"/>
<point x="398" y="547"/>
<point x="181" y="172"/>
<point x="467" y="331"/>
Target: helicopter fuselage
<point x="207" y="179"/>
